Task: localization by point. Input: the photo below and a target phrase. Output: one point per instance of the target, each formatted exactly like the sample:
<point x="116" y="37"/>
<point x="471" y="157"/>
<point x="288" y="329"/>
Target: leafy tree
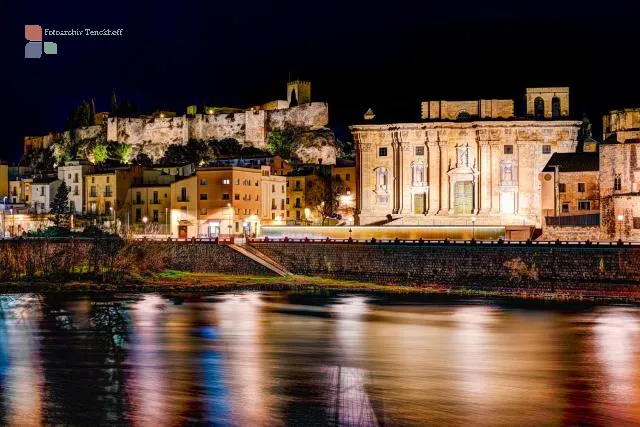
<point x="279" y="142"/>
<point x="120" y="152"/>
<point x="143" y="160"/>
<point x="197" y="152"/>
<point x="60" y="207"/>
<point x="114" y="104"/>
<point x="92" y="113"/>
<point x="79" y="117"/>
<point x="100" y="153"/>
<point x="322" y="197"/>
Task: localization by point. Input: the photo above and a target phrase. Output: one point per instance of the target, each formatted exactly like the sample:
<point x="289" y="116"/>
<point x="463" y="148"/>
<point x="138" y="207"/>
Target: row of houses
<point x="230" y="196"/>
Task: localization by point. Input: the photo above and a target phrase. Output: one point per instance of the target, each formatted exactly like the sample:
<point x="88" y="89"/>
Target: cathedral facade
<point x="467" y="161"/>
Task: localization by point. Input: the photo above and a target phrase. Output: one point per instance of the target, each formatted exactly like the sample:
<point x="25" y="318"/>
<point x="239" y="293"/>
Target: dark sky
<point x="389" y="55"/>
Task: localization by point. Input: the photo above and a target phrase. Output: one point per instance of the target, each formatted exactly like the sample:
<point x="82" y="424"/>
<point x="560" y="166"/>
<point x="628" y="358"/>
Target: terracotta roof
<point x="574" y="162"/>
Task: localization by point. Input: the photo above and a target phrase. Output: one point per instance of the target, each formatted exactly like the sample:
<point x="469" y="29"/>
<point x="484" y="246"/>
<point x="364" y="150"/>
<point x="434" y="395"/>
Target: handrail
<point x="498" y="242"/>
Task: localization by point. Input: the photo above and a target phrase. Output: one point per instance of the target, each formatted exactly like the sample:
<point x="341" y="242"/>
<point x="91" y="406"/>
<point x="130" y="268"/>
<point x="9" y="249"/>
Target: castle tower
<point x="298" y="93"/>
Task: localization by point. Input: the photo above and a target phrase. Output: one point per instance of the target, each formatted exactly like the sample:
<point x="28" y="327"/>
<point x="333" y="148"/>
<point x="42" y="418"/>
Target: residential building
<point x="72" y="173"/>
<point x="273" y="197"/>
<point x="44" y="190"/>
<point x="185" y="169"/>
<point x="4" y="180"/>
<point x="184" y="207"/>
<point x="20" y="190"/>
<point x="297" y="214"/>
<point x="253" y="158"/>
<point x="106" y="191"/>
<point x="150" y="202"/>
<point x="467" y="160"/>
<point x="570" y="188"/>
<point x="229" y="201"/>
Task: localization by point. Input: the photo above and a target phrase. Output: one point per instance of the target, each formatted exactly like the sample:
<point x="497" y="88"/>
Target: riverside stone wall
<point x="462" y="265"/>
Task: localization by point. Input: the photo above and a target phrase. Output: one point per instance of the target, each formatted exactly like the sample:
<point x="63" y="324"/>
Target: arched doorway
<point x="555" y="107"/>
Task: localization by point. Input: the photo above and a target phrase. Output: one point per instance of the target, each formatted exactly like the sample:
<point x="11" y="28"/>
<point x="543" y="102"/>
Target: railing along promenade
<point x="232" y="240"/>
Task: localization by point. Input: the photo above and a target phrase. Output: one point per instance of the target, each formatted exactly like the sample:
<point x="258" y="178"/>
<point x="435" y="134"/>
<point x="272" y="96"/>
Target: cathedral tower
<point x="298" y="92"/>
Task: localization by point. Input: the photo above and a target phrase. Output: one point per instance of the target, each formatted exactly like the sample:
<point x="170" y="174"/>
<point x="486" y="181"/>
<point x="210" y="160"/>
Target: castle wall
<point x="626" y="123"/>
<point x="152" y="136"/>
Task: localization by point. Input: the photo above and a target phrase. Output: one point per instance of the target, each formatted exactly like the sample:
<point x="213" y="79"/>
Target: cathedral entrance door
<point x="463" y="197"/>
<point x="418" y="203"/>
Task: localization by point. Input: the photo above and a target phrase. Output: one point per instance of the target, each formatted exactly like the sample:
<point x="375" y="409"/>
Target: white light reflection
<point x="347" y="399"/>
<point x="238" y="320"/>
<point x="617" y="334"/>
<point x="24" y="376"/>
<point x="148" y="387"/>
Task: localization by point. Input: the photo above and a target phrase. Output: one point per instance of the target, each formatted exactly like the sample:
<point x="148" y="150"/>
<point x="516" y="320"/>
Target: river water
<point x="257" y="359"/>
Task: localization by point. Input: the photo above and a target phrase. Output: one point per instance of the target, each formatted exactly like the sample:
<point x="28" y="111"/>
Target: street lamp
<point x="350" y="231"/>
<point x="229" y="206"/>
<point x="166" y="220"/>
<point x="13" y="223"/>
<point x="144" y="227"/>
<point x="620" y="220"/>
<point x="473" y="227"/>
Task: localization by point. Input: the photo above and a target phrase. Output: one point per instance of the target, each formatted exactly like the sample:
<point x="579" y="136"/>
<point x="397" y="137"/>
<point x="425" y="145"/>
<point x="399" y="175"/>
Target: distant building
<point x="150" y="203"/>
<point x="106" y="191"/>
<point x="4" y="180"/>
<point x="273" y="209"/>
<point x="72" y="173"/>
<point x="569" y="185"/>
<point x="184" y="207"/>
<point x="344" y="173"/>
<point x="43" y="191"/>
<point x="620" y="175"/>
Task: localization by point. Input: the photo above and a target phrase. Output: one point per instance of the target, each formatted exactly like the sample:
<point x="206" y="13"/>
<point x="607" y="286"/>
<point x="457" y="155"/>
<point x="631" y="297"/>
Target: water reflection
<point x="278" y="359"/>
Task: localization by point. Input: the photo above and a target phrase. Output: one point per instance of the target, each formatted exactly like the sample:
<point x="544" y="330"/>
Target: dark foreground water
<point x="274" y="359"/>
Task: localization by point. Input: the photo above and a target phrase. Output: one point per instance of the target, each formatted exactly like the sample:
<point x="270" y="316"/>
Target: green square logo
<point x="50" y="48"/>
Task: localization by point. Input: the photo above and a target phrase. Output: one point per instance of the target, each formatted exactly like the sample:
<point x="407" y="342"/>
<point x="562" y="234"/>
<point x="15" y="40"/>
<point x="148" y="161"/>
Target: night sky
<point x="389" y="55"/>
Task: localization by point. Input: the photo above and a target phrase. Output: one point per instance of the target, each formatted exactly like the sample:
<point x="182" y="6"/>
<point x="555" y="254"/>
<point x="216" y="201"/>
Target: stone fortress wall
<point x="153" y="135"/>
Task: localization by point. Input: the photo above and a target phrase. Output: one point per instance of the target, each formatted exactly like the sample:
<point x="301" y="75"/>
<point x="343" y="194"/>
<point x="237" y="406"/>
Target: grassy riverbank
<point x="172" y="281"/>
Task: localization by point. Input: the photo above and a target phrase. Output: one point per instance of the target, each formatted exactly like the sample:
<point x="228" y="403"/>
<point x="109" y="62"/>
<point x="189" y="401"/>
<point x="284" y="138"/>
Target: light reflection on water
<point x="279" y="359"/>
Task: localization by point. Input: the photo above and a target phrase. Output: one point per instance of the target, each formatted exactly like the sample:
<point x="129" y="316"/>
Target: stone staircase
<point x="257" y="256"/>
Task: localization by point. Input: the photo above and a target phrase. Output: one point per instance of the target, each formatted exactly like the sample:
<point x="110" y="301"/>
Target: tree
<point x="100" y="153"/>
<point x="143" y="160"/>
<point x="114" y="105"/>
<point x="60" y="207"/>
<point x="79" y="117"/>
<point x="280" y="142"/>
<point x="322" y="197"/>
<point x="92" y="113"/>
<point x="121" y="152"/>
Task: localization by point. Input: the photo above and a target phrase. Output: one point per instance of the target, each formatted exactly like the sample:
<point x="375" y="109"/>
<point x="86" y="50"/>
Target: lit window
<point x="226" y="181"/>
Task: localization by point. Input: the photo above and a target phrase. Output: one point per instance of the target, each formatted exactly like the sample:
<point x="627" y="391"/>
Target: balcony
<point x="138" y="202"/>
<point x="182" y="199"/>
<point x="108" y="194"/>
<point x="93" y="194"/>
<point x="298" y="189"/>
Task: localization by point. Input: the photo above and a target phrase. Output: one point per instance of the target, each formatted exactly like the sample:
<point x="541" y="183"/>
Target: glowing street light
<point x="230" y="210"/>
<point x="620" y="220"/>
<point x="144" y="221"/>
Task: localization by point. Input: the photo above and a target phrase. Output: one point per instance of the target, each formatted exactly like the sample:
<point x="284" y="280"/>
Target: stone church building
<point x="465" y="161"/>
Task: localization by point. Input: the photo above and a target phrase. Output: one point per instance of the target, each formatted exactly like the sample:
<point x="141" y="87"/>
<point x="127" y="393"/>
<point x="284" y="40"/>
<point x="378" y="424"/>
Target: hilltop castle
<point x="152" y="135"/>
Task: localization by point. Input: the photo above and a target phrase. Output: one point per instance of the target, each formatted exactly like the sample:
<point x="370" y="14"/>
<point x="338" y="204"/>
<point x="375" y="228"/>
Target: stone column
<point x="476" y="185"/>
<point x="526" y="179"/>
<point x="397" y="172"/>
<point x="433" y="171"/>
<point x="485" y="177"/>
<point x="495" y="148"/>
<point x="444" y="178"/>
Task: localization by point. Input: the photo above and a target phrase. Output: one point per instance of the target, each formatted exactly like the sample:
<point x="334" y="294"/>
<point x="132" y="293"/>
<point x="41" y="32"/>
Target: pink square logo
<point x="33" y="33"/>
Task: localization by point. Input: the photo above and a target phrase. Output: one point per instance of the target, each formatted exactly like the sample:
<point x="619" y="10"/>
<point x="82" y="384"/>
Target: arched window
<point x="538" y="108"/>
<point x="555" y="107"/>
<point x="417" y="173"/>
<point x="382" y="177"/>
